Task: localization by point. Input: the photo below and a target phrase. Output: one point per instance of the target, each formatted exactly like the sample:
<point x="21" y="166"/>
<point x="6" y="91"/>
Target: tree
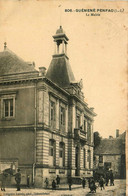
<point x="97" y="139"/>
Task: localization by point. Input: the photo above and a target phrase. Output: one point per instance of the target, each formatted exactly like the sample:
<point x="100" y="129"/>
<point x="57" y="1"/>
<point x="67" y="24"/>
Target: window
<point x="78" y="121"/>
<point x="84" y="154"/>
<point x="62" y="116"/>
<point x="89" y="126"/>
<point x="85" y="122"/>
<point x="52" y="114"/>
<point x="107" y="165"/>
<point x="89" y="131"/>
<point x="51" y="147"/>
<point x="52" y="157"/>
<point x="89" y="159"/>
<point x="101" y="159"/>
<point x="8" y="106"/>
<point x="61" y="154"/>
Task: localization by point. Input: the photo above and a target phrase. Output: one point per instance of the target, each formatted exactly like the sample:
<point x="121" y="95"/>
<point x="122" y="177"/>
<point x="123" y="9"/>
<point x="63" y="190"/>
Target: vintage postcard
<point x="63" y="97"/>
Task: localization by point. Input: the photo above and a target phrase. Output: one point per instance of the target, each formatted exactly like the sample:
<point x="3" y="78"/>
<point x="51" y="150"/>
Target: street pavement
<point x="117" y="190"/>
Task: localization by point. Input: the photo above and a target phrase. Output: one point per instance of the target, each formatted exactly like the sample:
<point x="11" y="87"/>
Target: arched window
<point x="61" y="154"/>
<point x="52" y="152"/>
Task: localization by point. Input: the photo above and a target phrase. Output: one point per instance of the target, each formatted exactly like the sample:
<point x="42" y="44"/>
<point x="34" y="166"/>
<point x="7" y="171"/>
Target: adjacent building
<point x="46" y="127"/>
<point x="110" y="154"/>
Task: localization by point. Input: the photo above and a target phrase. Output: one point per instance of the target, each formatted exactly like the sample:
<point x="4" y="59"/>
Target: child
<point x="46" y="182"/>
<point x="92" y="186"/>
<point x="53" y="185"/>
<point x="101" y="182"/>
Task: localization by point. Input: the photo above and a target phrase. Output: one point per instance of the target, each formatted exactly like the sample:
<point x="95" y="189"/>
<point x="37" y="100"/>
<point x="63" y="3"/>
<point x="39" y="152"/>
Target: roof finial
<point x="5" y="45"/>
<point x="60" y="14"/>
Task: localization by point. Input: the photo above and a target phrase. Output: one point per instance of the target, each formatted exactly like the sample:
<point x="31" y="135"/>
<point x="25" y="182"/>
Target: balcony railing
<point x="79" y="134"/>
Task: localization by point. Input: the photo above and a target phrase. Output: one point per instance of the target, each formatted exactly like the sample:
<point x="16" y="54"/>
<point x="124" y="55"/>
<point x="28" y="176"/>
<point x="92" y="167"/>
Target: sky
<point x="97" y="49"/>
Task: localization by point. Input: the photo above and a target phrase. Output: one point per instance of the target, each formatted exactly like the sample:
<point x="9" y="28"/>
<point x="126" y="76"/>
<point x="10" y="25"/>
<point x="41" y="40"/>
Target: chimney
<point x="5" y="45"/>
<point x="42" y="71"/>
<point x="31" y="64"/>
<point x="117" y="133"/>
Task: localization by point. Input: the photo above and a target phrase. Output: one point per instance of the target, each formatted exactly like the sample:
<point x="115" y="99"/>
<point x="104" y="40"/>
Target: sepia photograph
<point x="63" y="97"/>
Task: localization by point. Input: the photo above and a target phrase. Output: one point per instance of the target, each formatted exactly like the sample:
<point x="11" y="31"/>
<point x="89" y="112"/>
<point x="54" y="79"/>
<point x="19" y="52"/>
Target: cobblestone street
<point x="117" y="190"/>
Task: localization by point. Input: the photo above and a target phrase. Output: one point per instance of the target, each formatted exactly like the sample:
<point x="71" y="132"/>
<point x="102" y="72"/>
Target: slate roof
<point x="60" y="71"/>
<point x="10" y="63"/>
<point x="111" y="146"/>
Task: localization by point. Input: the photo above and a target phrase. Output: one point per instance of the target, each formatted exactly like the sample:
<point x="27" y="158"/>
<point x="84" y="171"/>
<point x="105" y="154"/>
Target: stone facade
<point x="46" y="127"/>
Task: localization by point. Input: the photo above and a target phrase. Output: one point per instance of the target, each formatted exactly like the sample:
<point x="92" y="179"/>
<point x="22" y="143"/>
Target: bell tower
<point x="61" y="41"/>
<point x="60" y="71"/>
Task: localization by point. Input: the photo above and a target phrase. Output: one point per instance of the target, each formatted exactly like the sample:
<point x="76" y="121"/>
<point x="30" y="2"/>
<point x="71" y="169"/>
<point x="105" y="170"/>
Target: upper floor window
<point x="53" y="114"/>
<point x="52" y="110"/>
<point x="77" y="121"/>
<point x="62" y="116"/>
<point x="7" y="106"/>
<point x="89" y="131"/>
<point x="85" y="124"/>
<point x="89" y="127"/>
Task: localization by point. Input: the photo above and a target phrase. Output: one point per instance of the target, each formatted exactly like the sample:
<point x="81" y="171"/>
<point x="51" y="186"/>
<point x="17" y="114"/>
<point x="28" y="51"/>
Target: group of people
<point x="17" y="179"/>
<point x="101" y="181"/>
<point x="54" y="182"/>
<point x="91" y="181"/>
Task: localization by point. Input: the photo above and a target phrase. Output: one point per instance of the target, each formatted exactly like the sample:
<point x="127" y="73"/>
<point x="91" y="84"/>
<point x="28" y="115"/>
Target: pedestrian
<point x="111" y="178"/>
<point x="92" y="185"/>
<point x="83" y="182"/>
<point x="18" y="179"/>
<point x="70" y="182"/>
<point x="28" y="181"/>
<point x="101" y="182"/>
<point x="107" y="178"/>
<point x="3" y="183"/>
<point x="46" y="183"/>
<point x="53" y="185"/>
<point x="58" y="180"/>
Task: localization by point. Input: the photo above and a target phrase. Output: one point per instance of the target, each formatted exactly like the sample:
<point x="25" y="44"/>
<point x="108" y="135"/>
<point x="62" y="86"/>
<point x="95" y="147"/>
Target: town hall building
<point x="46" y="127"/>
